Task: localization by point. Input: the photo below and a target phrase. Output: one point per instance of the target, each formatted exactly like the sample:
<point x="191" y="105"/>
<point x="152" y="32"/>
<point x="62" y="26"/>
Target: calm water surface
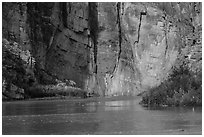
<point x="97" y="117"/>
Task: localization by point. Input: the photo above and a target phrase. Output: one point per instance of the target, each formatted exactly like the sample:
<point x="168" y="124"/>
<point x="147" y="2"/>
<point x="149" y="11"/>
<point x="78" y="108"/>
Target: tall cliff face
<point x="153" y="41"/>
<point x="116" y="72"/>
<point x="60" y="38"/>
<point x="140" y="43"/>
<point x="137" y="47"/>
<point x="106" y="48"/>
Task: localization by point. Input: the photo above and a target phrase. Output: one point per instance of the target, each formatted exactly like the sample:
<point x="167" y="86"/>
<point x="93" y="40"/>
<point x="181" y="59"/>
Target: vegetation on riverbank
<point x="19" y="77"/>
<point x="183" y="88"/>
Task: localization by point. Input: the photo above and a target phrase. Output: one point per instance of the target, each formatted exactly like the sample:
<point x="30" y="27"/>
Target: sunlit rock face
<point x="107" y="46"/>
<point x="144" y="56"/>
<point x="116" y="73"/>
<point x="153" y="41"/>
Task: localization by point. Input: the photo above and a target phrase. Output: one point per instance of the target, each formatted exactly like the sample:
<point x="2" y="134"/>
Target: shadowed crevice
<point x="93" y="26"/>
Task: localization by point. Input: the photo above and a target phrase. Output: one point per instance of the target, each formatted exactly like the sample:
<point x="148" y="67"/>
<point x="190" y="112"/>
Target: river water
<point x="97" y="116"/>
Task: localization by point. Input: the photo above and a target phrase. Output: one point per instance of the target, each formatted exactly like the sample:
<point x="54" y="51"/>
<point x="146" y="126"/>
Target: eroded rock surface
<point x="106" y="48"/>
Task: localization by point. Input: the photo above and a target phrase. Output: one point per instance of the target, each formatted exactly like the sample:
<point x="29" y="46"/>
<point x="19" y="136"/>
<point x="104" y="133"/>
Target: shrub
<point x="182" y="88"/>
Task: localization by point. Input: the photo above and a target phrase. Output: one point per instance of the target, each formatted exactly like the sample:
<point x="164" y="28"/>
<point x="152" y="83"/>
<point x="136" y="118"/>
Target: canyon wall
<point x="105" y="48"/>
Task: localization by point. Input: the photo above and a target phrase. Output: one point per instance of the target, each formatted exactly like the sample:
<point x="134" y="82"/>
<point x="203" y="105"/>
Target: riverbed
<point x="97" y="116"/>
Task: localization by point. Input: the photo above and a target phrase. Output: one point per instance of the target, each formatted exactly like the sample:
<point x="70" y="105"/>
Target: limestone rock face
<point x="151" y="43"/>
<point x="116" y="74"/>
<point x="68" y="54"/>
<point x="60" y="40"/>
<point x="145" y="54"/>
<point x="153" y="46"/>
<point x="109" y="49"/>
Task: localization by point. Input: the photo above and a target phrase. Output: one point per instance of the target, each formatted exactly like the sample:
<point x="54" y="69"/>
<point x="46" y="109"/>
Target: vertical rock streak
<point x="140" y="22"/>
<point x="119" y="29"/>
<point x="64" y="15"/>
<point x="93" y="26"/>
<point x="165" y="32"/>
<point x="118" y="6"/>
